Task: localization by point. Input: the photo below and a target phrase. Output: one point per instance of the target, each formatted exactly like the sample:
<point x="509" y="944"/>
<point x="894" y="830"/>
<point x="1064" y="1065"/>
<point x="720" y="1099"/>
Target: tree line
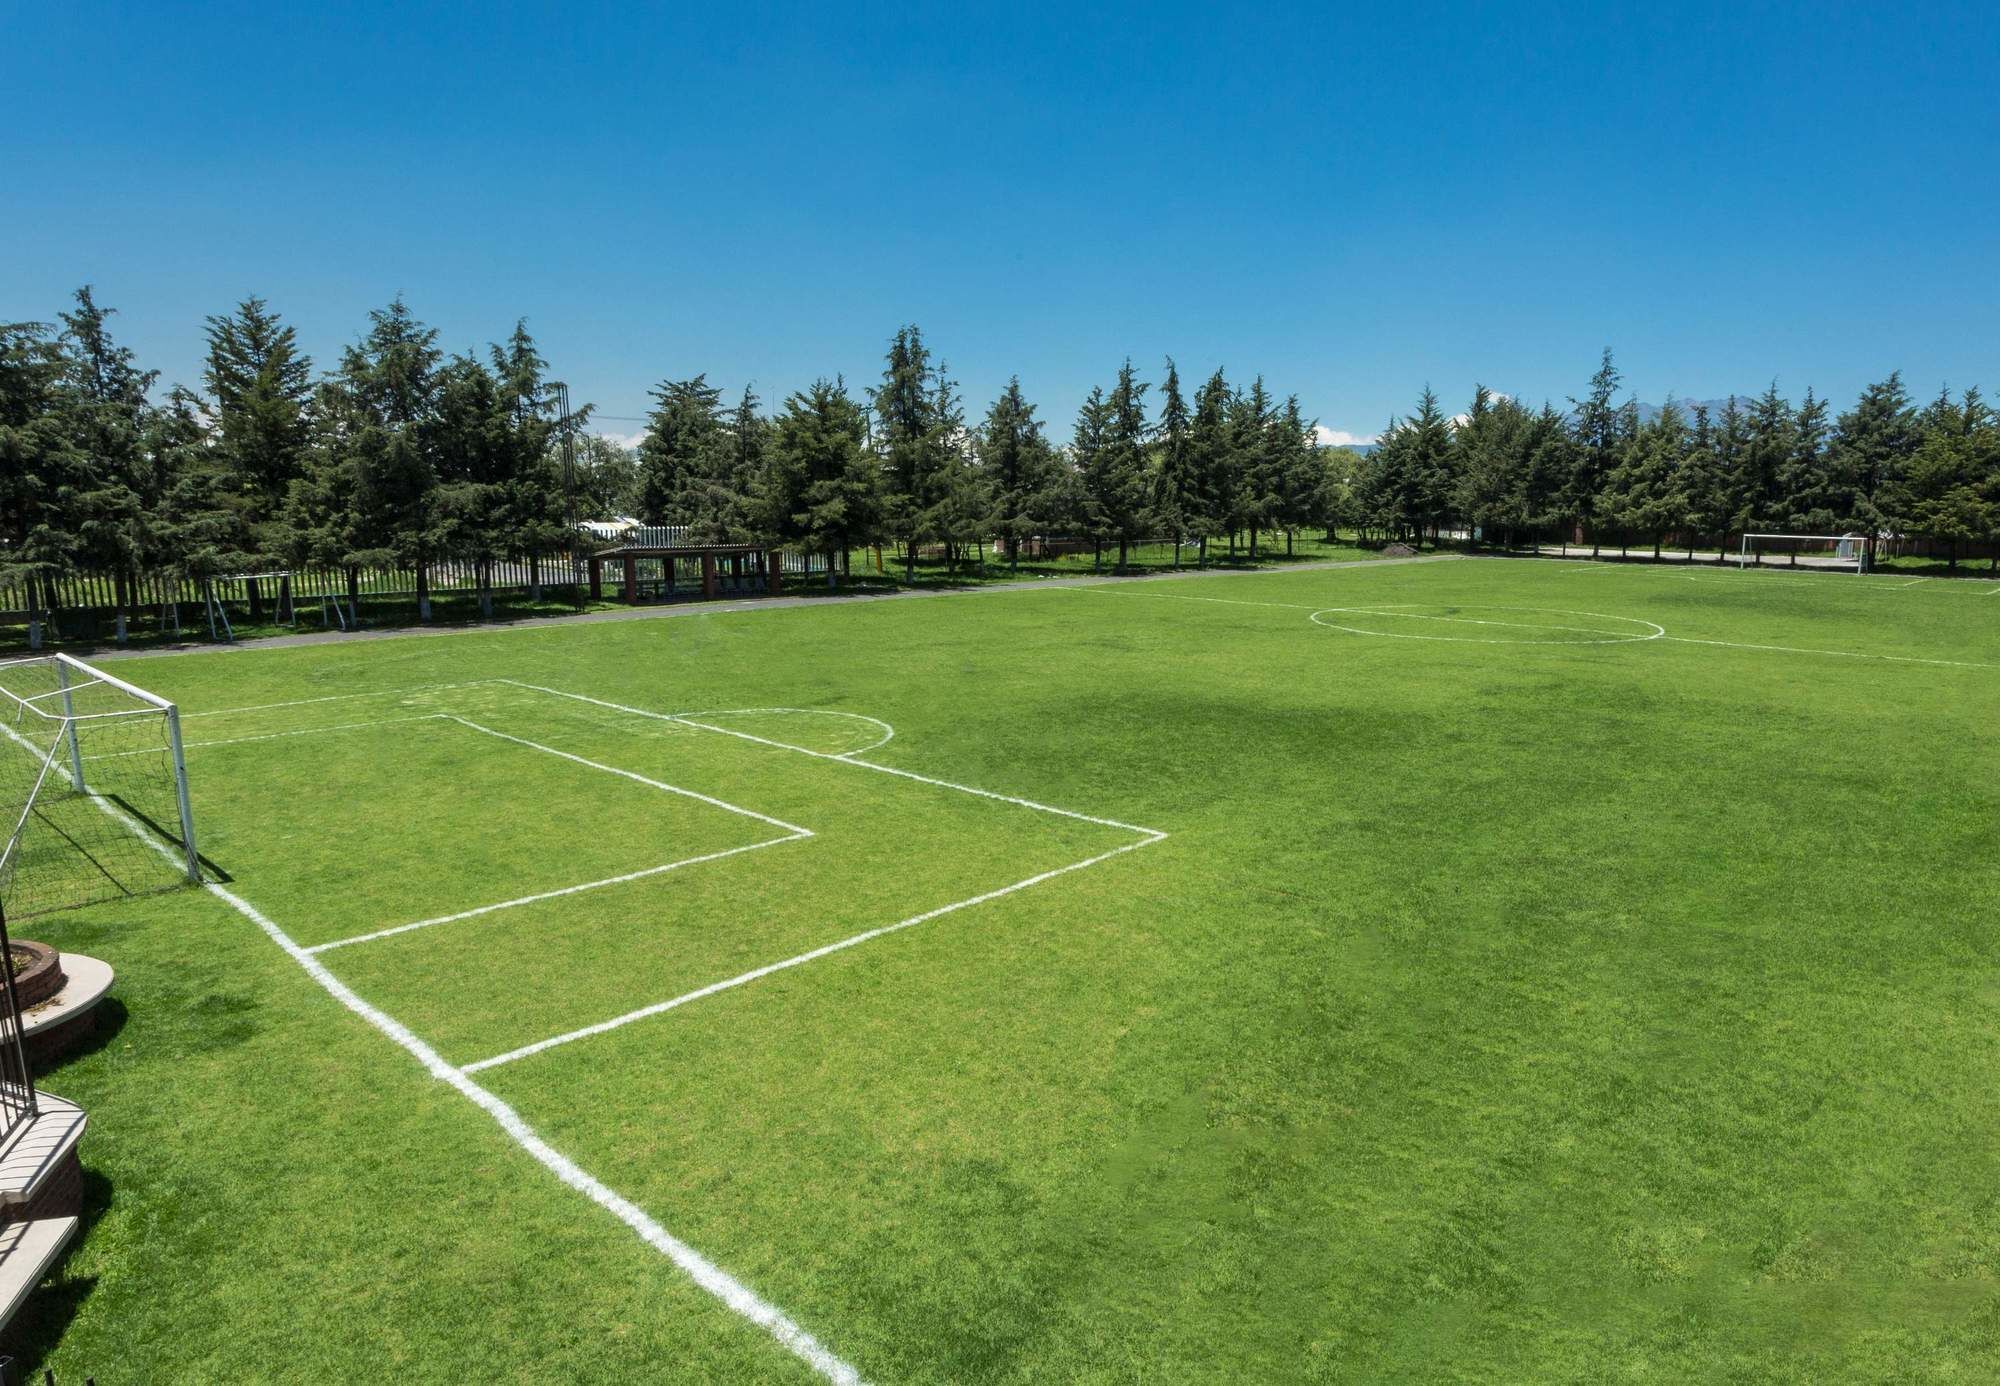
<point x="1887" y="466"/>
<point x="398" y="456"/>
<point x="402" y="456"/>
<point x="901" y="464"/>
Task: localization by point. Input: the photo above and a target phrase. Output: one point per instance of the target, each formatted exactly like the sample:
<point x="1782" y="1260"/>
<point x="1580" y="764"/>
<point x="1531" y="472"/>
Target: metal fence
<point x="17" y="1081"/>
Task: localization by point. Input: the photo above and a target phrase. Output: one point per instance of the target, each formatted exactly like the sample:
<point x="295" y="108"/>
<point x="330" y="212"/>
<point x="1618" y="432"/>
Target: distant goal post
<point x="93" y="788"/>
<point x="1830" y="551"/>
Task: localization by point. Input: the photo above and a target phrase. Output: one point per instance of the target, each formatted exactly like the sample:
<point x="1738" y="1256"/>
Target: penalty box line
<point x="1147" y="837"/>
<point x="734" y="1295"/>
<point x="791" y="832"/>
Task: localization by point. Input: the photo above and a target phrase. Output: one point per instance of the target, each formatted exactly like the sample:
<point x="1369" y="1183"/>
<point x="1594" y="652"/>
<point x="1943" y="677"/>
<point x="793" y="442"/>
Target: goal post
<point x="1834" y="552"/>
<point x="93" y="788"/>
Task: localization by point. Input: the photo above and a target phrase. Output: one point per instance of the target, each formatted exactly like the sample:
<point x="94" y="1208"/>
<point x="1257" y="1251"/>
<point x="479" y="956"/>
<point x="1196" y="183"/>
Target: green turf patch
<point x="1558" y="1008"/>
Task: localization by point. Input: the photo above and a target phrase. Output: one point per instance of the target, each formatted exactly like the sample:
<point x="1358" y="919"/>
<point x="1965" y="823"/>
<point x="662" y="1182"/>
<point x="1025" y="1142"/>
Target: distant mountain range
<point x="1649" y="412"/>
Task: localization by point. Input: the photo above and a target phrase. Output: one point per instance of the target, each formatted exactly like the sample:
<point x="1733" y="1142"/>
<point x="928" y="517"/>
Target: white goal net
<point x="93" y="789"/>
<point x="1840" y="552"/>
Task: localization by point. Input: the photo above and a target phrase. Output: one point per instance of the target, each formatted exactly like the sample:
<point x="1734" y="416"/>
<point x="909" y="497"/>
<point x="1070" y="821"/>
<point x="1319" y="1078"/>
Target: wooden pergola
<point x="741" y="566"/>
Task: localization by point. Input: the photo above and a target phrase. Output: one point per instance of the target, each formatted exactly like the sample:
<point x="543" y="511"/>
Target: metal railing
<point x="17" y="1080"/>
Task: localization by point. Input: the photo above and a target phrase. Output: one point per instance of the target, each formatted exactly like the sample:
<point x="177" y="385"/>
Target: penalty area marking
<point x="734" y="1295"/>
<point x="1409" y="612"/>
<point x="1147" y="837"/>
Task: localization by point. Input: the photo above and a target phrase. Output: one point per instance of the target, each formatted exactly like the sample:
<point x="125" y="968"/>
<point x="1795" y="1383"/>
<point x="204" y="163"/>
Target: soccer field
<point x="1475" y="969"/>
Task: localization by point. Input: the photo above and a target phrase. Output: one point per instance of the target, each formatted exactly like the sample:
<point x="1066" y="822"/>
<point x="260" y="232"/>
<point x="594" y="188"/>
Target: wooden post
<point x="774" y="570"/>
<point x="631" y="580"/>
<point x="596" y="578"/>
<point x="708" y="575"/>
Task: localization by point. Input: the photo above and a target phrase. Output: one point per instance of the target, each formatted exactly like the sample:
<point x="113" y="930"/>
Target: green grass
<point x="82" y="631"/>
<point x="1565" y="1011"/>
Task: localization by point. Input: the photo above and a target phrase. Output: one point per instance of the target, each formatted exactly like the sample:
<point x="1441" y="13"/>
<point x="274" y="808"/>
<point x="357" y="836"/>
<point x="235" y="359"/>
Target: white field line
<point x="1476" y="621"/>
<point x="792" y="828"/>
<point x="845" y="759"/>
<point x="888" y="732"/>
<point x="557" y="894"/>
<point x="335" y="698"/>
<point x="1124" y="591"/>
<point x="1839" y="654"/>
<point x="733" y="1293"/>
<point x="661" y="1007"/>
<point x="1147" y="837"/>
<point x="273" y="736"/>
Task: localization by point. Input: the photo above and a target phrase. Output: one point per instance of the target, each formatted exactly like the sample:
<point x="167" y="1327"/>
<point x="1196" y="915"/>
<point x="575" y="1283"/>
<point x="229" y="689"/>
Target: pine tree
<point x="1805" y="482"/>
<point x="1299" y="474"/>
<point x="1736" y="483"/>
<point x="1768" y="450"/>
<point x="1493" y="472"/>
<point x="1643" y="494"/>
<point x="916" y="446"/>
<point x="41" y="465"/>
<point x="537" y="512"/>
<point x="963" y="514"/>
<point x="749" y="461"/>
<point x="1598" y="430"/>
<point x="1177" y="494"/>
<point x="1216" y="481"/>
<point x="1946" y="491"/>
<point x="1704" y="486"/>
<point x="1872" y="446"/>
<point x="1020" y="470"/>
<point x="1250" y="457"/>
<point x="103" y="403"/>
<point x="259" y="386"/>
<point x="1431" y="477"/>
<point x="371" y="500"/>
<point x="685" y="447"/>
<point x="823" y="489"/>
<point x="1086" y="459"/>
<point x="1115" y="474"/>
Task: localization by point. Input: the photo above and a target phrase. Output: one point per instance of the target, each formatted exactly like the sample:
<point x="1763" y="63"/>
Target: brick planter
<point x="61" y="1010"/>
<point x="42" y="977"/>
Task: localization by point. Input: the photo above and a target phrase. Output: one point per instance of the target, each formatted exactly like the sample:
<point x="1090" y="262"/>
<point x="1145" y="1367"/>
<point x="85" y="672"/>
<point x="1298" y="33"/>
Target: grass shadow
<point x="37" y="1330"/>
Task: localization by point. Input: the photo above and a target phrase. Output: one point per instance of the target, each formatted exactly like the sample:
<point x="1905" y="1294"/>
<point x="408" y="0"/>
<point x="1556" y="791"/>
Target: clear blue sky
<point x="1352" y="203"/>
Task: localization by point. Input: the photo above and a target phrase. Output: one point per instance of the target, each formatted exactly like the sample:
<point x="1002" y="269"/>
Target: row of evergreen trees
<point x="402" y="456"/>
<point x="831" y="472"/>
<point x="1884" y="467"/>
<point x="398" y="457"/>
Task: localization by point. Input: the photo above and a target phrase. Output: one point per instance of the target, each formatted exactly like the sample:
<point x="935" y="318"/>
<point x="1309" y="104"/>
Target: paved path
<point x="701" y="608"/>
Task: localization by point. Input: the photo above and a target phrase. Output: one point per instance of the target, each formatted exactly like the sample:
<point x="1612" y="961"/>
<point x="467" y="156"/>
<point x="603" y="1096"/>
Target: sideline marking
<point x="733" y="1293"/>
<point x="1840" y="654"/>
